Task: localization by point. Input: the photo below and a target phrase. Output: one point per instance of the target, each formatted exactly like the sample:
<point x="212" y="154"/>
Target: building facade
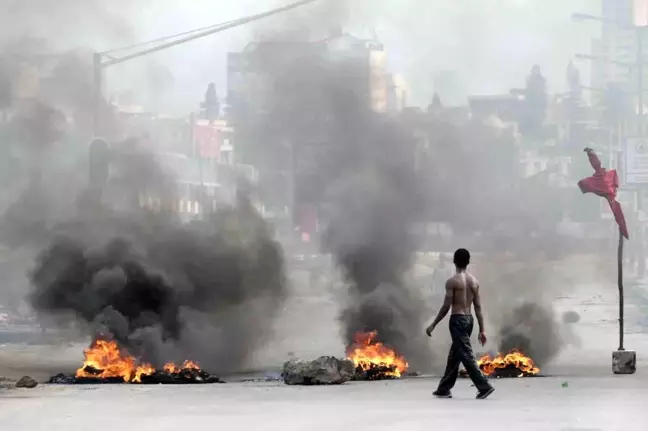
<point x="251" y="73"/>
<point x="618" y="44"/>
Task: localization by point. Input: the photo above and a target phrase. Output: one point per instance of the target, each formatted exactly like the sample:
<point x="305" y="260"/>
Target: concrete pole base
<point x="624" y="362"/>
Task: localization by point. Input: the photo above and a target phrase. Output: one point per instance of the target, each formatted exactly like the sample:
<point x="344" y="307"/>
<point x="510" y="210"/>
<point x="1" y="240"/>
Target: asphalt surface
<point x="579" y="394"/>
<point x="543" y="404"/>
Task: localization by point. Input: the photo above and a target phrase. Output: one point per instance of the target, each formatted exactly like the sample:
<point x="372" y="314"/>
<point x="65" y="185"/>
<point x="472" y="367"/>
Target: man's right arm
<point x="445" y="308"/>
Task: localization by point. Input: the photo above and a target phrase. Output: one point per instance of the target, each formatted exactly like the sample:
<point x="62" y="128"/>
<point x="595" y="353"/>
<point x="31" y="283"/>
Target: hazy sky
<point x="491" y="43"/>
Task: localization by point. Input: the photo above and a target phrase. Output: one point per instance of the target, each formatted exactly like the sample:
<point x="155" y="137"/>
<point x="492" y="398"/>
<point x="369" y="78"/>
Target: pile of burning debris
<point x="366" y="359"/>
<point x="373" y="360"/>
<point x="513" y="364"/>
<point x="106" y="363"/>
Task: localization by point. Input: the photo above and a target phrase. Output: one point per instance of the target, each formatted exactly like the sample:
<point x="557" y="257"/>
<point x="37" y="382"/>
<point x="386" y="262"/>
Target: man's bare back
<point x="461" y="294"/>
<point x="463" y="287"/>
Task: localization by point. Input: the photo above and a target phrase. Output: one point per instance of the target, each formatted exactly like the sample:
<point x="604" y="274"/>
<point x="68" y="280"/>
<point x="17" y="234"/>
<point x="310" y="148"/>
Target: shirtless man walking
<point x="461" y="292"/>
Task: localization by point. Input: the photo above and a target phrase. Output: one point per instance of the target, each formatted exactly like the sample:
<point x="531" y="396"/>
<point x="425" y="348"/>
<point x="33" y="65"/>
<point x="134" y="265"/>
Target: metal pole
<point x="620" y="286"/>
<point x="192" y="136"/>
<point x="291" y="185"/>
<point x="192" y="35"/>
<point x="97" y="101"/>
<point x="217" y="29"/>
<point x="198" y="154"/>
<point x="611" y="150"/>
<point x="640" y="112"/>
<point x="640" y="78"/>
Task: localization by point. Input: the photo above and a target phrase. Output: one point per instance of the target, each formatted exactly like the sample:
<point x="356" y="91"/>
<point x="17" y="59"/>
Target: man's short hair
<point x="461" y="258"/>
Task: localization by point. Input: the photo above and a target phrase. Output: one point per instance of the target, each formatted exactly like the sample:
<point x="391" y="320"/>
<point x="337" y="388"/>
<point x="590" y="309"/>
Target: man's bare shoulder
<point x="461" y="280"/>
<point x="454" y="280"/>
<point x="472" y="280"/>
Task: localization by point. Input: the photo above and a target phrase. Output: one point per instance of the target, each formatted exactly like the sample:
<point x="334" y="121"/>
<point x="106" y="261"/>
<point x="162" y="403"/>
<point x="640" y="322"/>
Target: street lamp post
<point x="619" y="126"/>
<point x="105" y="59"/>
<point x="99" y="63"/>
<point x="97" y="96"/>
<point x="638" y="63"/>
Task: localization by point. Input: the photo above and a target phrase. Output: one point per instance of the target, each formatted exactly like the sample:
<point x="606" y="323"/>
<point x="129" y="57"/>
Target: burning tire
<point x="105" y="362"/>
<point x="513" y="364"/>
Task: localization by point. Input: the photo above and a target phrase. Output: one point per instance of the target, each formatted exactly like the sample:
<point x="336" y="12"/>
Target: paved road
<point x="606" y="403"/>
<point x="308" y="327"/>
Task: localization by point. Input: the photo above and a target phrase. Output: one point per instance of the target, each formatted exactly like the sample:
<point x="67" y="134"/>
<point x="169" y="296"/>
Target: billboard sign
<point x="640" y="13"/>
<point x="636" y="161"/>
<point x="208" y="141"/>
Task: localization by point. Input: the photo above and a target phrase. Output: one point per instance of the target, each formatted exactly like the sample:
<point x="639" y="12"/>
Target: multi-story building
<point x="618" y="44"/>
<point x="251" y="71"/>
<point x="397" y="94"/>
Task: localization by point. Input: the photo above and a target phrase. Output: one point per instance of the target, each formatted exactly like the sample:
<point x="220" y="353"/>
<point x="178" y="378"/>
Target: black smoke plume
<point x="165" y="290"/>
<point x="532" y="329"/>
<point x="357" y="166"/>
<point x="375" y="203"/>
<point x="520" y="305"/>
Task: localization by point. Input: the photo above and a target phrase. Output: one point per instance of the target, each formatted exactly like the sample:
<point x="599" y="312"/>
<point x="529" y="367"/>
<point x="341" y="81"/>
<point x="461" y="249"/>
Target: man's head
<point x="461" y="258"/>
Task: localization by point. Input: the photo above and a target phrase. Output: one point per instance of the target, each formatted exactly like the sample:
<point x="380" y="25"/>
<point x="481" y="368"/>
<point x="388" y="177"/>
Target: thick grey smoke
<point x="206" y="291"/>
<point x="532" y="329"/>
<point x="355" y="165"/>
<point x="377" y="199"/>
<point x="311" y="22"/>
<point x="163" y="289"/>
<point x="67" y="21"/>
<point x="45" y="124"/>
<point x="519" y="301"/>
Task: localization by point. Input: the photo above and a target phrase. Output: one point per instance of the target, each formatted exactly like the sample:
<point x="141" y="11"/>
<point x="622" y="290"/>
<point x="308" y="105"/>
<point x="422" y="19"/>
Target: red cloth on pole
<point x="604" y="183"/>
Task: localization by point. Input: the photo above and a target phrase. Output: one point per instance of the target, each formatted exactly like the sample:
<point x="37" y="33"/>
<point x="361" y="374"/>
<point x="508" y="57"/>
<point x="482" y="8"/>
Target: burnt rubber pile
<point x="106" y="363"/>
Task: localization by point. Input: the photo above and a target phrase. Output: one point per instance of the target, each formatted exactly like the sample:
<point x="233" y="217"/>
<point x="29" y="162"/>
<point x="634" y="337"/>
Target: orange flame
<point x="104" y="360"/>
<point x="365" y="353"/>
<point x="514" y="358"/>
<point x="172" y="368"/>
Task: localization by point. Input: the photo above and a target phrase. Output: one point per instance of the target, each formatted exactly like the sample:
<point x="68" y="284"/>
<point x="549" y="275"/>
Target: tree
<point x="574" y="98"/>
<point x="535" y="103"/>
<point x="574" y="82"/>
<point x="211" y="105"/>
<point x="436" y="104"/>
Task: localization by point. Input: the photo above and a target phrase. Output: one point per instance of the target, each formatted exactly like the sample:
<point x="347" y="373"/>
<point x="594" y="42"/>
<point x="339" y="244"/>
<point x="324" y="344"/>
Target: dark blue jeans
<point x="461" y="327"/>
